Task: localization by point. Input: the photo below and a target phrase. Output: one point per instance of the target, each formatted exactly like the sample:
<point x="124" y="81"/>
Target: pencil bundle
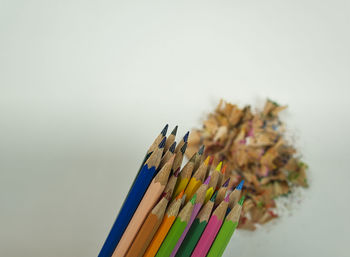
<point x="175" y="210"/>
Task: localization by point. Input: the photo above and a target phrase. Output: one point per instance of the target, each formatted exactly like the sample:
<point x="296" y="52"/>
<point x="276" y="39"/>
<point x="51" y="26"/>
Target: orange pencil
<point x="148" y="229"/>
<point x="167" y="222"/>
<point x="148" y="201"/>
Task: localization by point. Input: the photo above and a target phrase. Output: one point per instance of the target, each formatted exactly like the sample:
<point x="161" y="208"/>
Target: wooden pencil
<point x="211" y="230"/>
<point x="167" y="155"/>
<point x="184" y="176"/>
<point x="170" y="140"/>
<point x="179" y="157"/>
<point x="223" y="172"/>
<point x="198" y="157"/>
<point x="169" y="188"/>
<point x="148" y="201"/>
<point x="148" y="229"/>
<point x="196" y="229"/>
<point x="176" y="230"/>
<point x="213" y="182"/>
<point x="158" y="139"/>
<point x="197" y="179"/>
<point x="235" y="195"/>
<point x="200" y="196"/>
<point x="168" y="220"/>
<point x="133" y="199"/>
<point x="226" y="231"/>
<point x="222" y="193"/>
<point x="182" y="142"/>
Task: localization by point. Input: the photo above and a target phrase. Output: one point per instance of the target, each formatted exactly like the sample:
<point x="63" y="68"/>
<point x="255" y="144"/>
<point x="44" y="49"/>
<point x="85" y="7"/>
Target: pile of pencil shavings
<point x="254" y="148"/>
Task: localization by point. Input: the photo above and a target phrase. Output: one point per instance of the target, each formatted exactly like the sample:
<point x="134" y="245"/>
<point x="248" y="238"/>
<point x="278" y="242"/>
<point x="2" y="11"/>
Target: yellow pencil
<point x="213" y="182"/>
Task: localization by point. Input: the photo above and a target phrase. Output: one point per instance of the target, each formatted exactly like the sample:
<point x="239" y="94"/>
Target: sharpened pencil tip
<point x="180" y="195"/>
<point x="201" y="150"/>
<point x="240" y="186"/>
<point x="241" y="200"/>
<point x="165" y="129"/>
<point x="214" y="196"/>
<point x="193" y="200"/>
<point x="177" y="172"/>
<point x="227" y="198"/>
<point x="186" y="136"/>
<point x="183" y="148"/>
<point x="218" y="168"/>
<point x="226" y="182"/>
<point x="172" y="147"/>
<point x="162" y="143"/>
<point x="223" y="170"/>
<point x="174" y="131"/>
<point x="206" y="162"/>
<point x="211" y="160"/>
<point x="206" y="182"/>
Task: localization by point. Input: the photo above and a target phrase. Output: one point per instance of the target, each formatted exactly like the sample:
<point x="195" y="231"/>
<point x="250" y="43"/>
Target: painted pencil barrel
<point x="127" y="211"/>
<point x="171" y="239"/>
<point x="191" y="238"/>
<point x="222" y="239"/>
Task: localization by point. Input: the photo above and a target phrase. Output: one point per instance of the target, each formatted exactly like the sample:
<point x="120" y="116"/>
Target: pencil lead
<point x="218" y="168"/>
<point x="174" y="131"/>
<point x="163" y="195"/>
<point x="214" y="196"/>
<point x="183" y="148"/>
<point x="180" y="195"/>
<point x="206" y="182"/>
<point x="177" y="172"/>
<point x="193" y="200"/>
<point x="206" y="162"/>
<point x="240" y="186"/>
<point x="227" y="198"/>
<point x="186" y="136"/>
<point x="241" y="200"/>
<point x="172" y="147"/>
<point x="211" y="160"/>
<point x="201" y="150"/>
<point x="223" y="170"/>
<point x="226" y="182"/>
<point x="162" y="143"/>
<point x="165" y="129"/>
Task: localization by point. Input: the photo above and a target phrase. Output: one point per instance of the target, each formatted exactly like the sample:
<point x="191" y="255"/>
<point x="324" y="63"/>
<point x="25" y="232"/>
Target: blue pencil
<point x="132" y="200"/>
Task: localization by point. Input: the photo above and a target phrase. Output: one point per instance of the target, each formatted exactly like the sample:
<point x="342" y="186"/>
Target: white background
<point x="85" y="87"/>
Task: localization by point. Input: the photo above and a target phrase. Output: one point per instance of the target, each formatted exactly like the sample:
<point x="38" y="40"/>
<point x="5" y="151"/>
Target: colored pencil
<point x="184" y="176"/>
<point x="235" y="195"/>
<point x="158" y="139"/>
<point x="148" y="201"/>
<point x="179" y="157"/>
<point x="196" y="180"/>
<point x="196" y="229"/>
<point x="176" y="230"/>
<point x="182" y="142"/>
<point x="221" y="193"/>
<point x="132" y="200"/>
<point x="169" y="188"/>
<point x="213" y="182"/>
<point x="170" y="140"/>
<point x="222" y="179"/>
<point x="226" y="231"/>
<point x="164" y="228"/>
<point x="198" y="157"/>
<point x="211" y="230"/>
<point x="148" y="229"/>
<point x="167" y="155"/>
<point x="200" y="196"/>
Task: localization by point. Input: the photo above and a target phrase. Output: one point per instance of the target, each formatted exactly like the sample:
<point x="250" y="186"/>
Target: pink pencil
<point x="201" y="191"/>
<point x="211" y="230"/>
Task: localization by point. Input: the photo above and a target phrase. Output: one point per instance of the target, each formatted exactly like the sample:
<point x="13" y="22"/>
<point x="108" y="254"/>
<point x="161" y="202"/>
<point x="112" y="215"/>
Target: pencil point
<point x="162" y="143"/>
<point x="186" y="136"/>
<point x="183" y="148"/>
<point x="172" y="147"/>
<point x="174" y="131"/>
<point x="211" y="160"/>
<point x="165" y="129"/>
<point x="206" y="162"/>
<point x="218" y="168"/>
<point x="201" y="150"/>
<point x="241" y="200"/>
<point x="193" y="200"/>
<point x="180" y="195"/>
<point x="206" y="182"/>
<point x="214" y="196"/>
<point x="240" y="186"/>
<point x="227" y="198"/>
<point x="177" y="172"/>
<point x="226" y="182"/>
<point x="223" y="170"/>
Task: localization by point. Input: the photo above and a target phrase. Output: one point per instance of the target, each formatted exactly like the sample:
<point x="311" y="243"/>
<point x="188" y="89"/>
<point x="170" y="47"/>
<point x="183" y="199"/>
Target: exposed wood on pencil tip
<point x="172" y="147"/>
<point x="183" y="148"/>
<point x="174" y="131"/>
<point x="162" y="143"/>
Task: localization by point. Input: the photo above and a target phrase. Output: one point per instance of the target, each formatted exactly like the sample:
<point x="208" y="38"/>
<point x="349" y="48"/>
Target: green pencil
<point x="176" y="230"/>
<point x="196" y="229"/>
<point x="226" y="231"/>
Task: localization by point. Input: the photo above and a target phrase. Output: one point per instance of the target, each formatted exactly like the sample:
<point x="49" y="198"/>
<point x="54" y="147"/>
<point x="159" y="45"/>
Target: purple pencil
<point x="201" y="191"/>
<point x="211" y="230"/>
